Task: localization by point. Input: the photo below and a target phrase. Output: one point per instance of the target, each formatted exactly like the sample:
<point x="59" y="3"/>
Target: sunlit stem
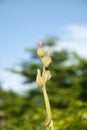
<point x="47" y="103"/>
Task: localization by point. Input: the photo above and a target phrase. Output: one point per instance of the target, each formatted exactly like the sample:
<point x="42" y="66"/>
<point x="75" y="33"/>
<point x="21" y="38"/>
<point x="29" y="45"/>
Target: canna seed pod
<point x="39" y="79"/>
<point x="47" y="75"/>
<point x="46" y="61"/>
<point x="40" y="51"/>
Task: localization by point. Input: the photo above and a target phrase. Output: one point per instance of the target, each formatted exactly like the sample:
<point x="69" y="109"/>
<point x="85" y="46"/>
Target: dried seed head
<point x="39" y="79"/>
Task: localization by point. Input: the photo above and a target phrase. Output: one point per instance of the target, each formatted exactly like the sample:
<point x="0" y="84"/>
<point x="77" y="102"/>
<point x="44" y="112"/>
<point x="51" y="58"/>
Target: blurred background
<point x="62" y="25"/>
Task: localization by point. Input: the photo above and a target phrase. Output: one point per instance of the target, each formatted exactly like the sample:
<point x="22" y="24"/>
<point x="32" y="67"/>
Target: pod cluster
<point x="41" y="79"/>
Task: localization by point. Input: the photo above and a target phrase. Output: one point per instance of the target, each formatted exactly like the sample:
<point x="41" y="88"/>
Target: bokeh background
<point x="62" y="25"/>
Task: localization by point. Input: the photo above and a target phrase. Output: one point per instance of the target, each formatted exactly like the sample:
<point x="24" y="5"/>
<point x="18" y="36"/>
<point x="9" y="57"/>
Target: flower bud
<point x="46" y="61"/>
<point x="39" y="79"/>
<point x="40" y="51"/>
<point x="47" y="75"/>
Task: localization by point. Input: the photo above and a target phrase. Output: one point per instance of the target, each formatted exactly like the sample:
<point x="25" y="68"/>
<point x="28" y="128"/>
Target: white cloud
<point x="77" y="31"/>
<point x="12" y="81"/>
<point x="74" y="37"/>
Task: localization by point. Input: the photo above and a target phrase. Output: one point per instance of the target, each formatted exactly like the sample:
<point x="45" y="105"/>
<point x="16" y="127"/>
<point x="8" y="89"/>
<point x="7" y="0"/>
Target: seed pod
<point x="47" y="75"/>
<point x="39" y="79"/>
<point x="46" y="61"/>
<point x="40" y="51"/>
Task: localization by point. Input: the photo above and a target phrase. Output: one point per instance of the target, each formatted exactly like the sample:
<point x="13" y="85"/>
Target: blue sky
<point x="24" y="22"/>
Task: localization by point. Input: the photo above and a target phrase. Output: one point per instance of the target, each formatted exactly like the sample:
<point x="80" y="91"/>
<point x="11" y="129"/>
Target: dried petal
<point x="48" y="52"/>
<point x="40" y="43"/>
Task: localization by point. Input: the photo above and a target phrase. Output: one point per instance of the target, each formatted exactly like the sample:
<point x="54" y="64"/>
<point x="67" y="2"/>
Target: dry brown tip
<point x="38" y="72"/>
<point x="40" y="43"/>
<point x="48" y="52"/>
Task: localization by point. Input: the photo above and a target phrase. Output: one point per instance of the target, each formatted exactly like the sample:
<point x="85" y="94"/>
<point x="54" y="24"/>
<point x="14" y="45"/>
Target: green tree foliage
<point x="67" y="92"/>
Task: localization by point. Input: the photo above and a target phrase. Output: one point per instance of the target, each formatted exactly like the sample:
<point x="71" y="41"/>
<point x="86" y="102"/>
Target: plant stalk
<point x="48" y="108"/>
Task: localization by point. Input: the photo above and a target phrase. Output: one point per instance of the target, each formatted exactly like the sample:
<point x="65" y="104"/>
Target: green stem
<point x="48" y="108"/>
